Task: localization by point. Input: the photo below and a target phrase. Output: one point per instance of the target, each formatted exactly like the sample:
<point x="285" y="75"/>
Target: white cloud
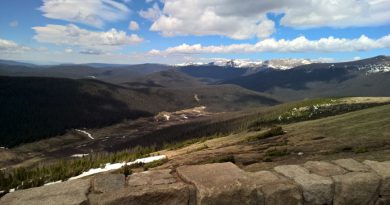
<point x="14" y="23"/>
<point x="300" y="44"/>
<point x="239" y="20"/>
<point x="339" y="14"/>
<point x="71" y="35"/>
<point x="90" y="12"/>
<point x="68" y="50"/>
<point x="92" y="52"/>
<point x="133" y="26"/>
<point x="7" y="46"/>
<point x="152" y="13"/>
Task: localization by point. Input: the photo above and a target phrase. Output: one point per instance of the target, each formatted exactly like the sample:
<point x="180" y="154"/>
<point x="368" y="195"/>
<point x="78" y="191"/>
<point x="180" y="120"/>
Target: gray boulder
<point x="316" y="189"/>
<point x="167" y="194"/>
<point x="155" y="177"/>
<point x="151" y="187"/>
<point x="351" y="165"/>
<point x="356" y="188"/>
<point x="276" y="189"/>
<point x="69" y="193"/>
<point x="107" y="182"/>
<point x="322" y="168"/>
<point x="383" y="169"/>
<point x="221" y="183"/>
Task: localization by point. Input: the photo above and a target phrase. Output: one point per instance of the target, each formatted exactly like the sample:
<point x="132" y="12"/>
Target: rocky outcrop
<point x="69" y="193"/>
<point x="150" y="187"/>
<point x="343" y="181"/>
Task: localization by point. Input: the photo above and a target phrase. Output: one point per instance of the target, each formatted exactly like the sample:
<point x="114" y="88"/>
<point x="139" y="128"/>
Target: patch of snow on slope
<point x="281" y="64"/>
<point x="79" y="155"/>
<point x="50" y="183"/>
<point x="109" y="167"/>
<point x="167" y="117"/>
<point x="196" y="97"/>
<point x="375" y="68"/>
<point x="285" y="64"/>
<point x="86" y="133"/>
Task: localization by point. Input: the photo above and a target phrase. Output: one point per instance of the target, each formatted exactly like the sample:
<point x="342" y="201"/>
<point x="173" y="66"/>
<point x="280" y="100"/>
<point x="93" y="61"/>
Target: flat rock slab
<point x="167" y="194"/>
<point x="66" y="193"/>
<point x="356" y="188"/>
<point x="351" y="165"/>
<point x="291" y="171"/>
<point x="316" y="189"/>
<point x="150" y="187"/>
<point x="322" y="168"/>
<point x="221" y="183"/>
<point x="107" y="182"/>
<point x="383" y="169"/>
<point x="276" y="189"/>
<point x="154" y="177"/>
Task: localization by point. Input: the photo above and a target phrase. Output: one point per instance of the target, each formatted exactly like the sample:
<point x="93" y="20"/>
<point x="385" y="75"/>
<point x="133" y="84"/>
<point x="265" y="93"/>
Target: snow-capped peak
<point x="282" y="64"/>
<point x="285" y="64"/>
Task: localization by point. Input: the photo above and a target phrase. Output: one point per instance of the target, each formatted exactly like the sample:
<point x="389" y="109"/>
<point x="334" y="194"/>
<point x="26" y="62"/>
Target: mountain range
<point x="98" y="95"/>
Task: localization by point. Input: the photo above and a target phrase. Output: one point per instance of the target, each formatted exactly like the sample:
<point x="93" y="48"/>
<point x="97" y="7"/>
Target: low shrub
<point x="276" y="152"/>
<point x="274" y="131"/>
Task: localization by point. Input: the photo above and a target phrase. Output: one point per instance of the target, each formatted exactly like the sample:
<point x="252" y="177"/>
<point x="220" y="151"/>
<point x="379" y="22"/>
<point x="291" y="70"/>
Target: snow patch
<point x="167" y="117"/>
<point x="109" y="167"/>
<point x="280" y="64"/>
<point x="79" y="155"/>
<point x="51" y="183"/>
<point x="375" y="68"/>
<point x="86" y="133"/>
<point x="196" y="97"/>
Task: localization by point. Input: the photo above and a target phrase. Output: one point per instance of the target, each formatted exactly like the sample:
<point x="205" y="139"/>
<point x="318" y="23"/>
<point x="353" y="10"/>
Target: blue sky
<point x="175" y="31"/>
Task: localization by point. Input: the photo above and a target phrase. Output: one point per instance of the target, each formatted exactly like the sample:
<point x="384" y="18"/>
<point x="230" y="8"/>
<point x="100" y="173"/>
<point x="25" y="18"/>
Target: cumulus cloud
<point x="90" y="12"/>
<point x="7" y="46"/>
<point x="71" y="35"/>
<point x="238" y="20"/>
<point x="153" y="13"/>
<point x="133" y="26"/>
<point x="300" y="44"/>
<point x="339" y="14"/>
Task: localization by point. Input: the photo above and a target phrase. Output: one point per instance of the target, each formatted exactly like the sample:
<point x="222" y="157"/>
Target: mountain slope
<point x="38" y="107"/>
<point x="170" y="78"/>
<point x="213" y="73"/>
<point x="358" y="78"/>
<point x="33" y="108"/>
<point x="105" y="72"/>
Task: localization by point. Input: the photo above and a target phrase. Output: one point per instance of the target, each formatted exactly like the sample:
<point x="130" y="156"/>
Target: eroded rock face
<point x="67" y="193"/>
<point x="316" y="189"/>
<point x="221" y="183"/>
<point x="383" y="170"/>
<point x="356" y="188"/>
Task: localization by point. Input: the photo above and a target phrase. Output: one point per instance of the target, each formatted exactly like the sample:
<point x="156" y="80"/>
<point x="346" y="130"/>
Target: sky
<point x="177" y="31"/>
